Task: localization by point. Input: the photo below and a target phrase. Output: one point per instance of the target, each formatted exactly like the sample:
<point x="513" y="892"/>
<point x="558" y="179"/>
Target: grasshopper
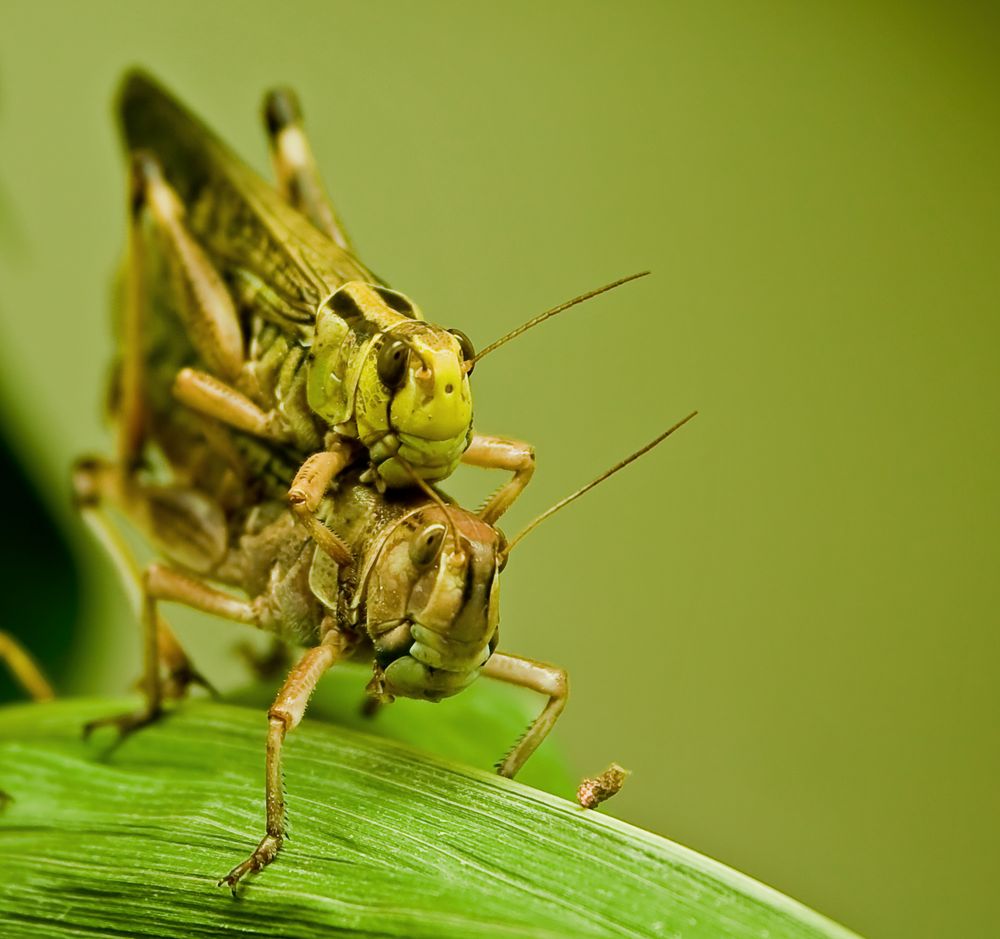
<point x="297" y="341"/>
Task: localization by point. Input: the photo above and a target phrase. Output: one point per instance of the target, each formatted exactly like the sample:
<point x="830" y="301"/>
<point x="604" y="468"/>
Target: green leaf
<point x="477" y="727"/>
<point x="130" y="840"/>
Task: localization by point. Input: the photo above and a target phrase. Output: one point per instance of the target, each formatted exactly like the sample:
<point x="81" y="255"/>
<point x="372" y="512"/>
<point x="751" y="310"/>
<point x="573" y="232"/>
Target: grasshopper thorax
<point x="432" y="602"/>
<point x="399" y="382"/>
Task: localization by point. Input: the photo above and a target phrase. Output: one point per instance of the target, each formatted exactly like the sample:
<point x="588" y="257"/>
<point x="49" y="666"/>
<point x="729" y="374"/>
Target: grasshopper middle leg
<point x="501" y="453"/>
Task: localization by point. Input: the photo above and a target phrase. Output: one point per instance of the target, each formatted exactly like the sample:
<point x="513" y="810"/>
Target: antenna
<point x="524" y="327"/>
<point x="534" y="523"/>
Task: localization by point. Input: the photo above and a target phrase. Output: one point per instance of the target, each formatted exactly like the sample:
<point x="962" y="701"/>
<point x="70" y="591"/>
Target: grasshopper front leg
<point x="212" y="398"/>
<point x="548" y="680"/>
<point x="163" y="583"/>
<point x="307" y="491"/>
<point x="284" y="715"/>
<point x="492" y="452"/>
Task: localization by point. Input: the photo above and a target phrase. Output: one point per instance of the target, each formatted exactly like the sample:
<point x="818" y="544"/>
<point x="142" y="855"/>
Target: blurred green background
<point x="785" y="620"/>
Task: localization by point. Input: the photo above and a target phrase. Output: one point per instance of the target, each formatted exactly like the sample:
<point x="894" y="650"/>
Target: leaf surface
<point x="103" y="840"/>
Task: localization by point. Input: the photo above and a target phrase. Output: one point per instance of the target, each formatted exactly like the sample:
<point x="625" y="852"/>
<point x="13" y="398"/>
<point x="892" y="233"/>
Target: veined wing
<point x="247" y="229"/>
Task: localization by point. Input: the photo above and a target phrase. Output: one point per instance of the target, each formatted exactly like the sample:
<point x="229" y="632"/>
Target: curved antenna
<point x="534" y="321"/>
<point x="534" y="523"/>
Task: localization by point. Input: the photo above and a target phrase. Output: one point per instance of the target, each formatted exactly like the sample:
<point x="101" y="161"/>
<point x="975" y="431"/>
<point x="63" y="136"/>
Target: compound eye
<point x="468" y="351"/>
<point x="502" y="548"/>
<point x="427" y="545"/>
<point x="391" y="365"/>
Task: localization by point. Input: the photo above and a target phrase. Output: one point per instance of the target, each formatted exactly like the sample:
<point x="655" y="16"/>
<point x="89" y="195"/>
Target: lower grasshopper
<point x="420" y="598"/>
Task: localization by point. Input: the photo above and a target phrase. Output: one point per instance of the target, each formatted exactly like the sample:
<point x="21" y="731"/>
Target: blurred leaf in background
<point x="39" y="597"/>
<point x="39" y="584"/>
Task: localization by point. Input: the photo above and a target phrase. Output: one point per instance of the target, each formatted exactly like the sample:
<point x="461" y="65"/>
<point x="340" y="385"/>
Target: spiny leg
<point x="491" y="452"/>
<point x="151" y="685"/>
<point x="298" y="179"/>
<point x="209" y="314"/>
<point x="24" y="669"/>
<point x="545" y="679"/>
<point x="285" y="714"/>
<point x="162" y="583"/>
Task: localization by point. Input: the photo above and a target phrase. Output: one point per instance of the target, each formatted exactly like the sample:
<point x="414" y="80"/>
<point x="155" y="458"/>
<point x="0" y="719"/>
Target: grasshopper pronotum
<point x="232" y="496"/>
<point x="298" y="342"/>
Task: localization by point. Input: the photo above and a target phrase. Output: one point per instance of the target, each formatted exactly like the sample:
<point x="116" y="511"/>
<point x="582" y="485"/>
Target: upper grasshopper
<point x="297" y="341"/>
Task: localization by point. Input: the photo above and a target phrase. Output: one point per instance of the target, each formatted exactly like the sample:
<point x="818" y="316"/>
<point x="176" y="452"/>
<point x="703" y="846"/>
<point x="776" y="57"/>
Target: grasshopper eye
<point x="468" y="351"/>
<point x="502" y="546"/>
<point x="391" y="363"/>
<point x="426" y="546"/>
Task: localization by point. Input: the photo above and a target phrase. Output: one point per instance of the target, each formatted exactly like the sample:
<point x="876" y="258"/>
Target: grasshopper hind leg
<point x="295" y="169"/>
<point x="96" y="484"/>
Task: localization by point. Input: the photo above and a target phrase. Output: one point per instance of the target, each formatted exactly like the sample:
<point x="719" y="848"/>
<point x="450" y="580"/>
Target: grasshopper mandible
<point x="299" y="343"/>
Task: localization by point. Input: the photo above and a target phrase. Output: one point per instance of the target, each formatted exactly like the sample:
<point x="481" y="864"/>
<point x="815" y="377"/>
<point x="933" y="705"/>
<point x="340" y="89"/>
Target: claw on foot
<point x="263" y="854"/>
<point x="370" y="707"/>
<point x="267" y="664"/>
<point x="126" y="723"/>
<point x="181" y="679"/>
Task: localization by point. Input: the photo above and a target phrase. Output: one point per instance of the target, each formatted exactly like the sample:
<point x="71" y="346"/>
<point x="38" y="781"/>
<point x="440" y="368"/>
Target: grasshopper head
<point x="433" y="602"/>
<point x="400" y="381"/>
<point x="414" y="406"/>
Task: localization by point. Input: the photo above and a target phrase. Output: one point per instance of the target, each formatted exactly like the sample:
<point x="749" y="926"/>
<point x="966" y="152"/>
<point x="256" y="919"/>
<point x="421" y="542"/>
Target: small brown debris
<point x="592" y="792"/>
